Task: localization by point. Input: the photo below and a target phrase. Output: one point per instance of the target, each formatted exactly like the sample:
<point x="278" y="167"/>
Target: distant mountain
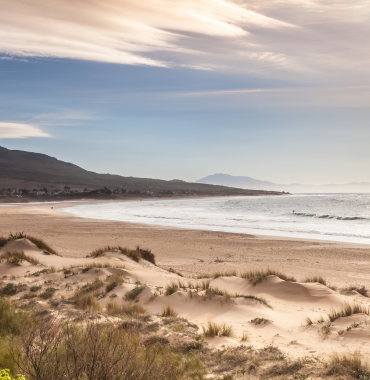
<point x="17" y="165"/>
<point x="251" y="183"/>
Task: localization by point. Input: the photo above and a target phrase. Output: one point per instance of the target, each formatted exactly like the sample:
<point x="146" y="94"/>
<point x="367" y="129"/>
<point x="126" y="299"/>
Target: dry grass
<point x="231" y="273"/>
<point x="347" y="310"/>
<point x="309" y="321"/>
<point x="168" y="311"/>
<point x="86" y="302"/>
<point x="17" y="257"/>
<point x="131" y="295"/>
<point x="131" y="309"/>
<point x="212" y="329"/>
<point x="259" y="275"/>
<point x="171" y="288"/>
<point x="98" y="266"/>
<point x="359" y="289"/>
<point x="134" y="254"/>
<point x="38" y="242"/>
<point x="318" y="279"/>
<point x="349" y="365"/>
<point x="112" y="282"/>
<point x="257" y="299"/>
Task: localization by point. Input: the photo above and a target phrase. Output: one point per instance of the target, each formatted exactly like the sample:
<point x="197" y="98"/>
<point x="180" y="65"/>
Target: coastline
<point x="191" y="251"/>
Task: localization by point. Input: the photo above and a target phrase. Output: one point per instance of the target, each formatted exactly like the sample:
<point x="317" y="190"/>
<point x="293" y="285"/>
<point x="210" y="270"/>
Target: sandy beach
<point x="271" y="312"/>
<point x="191" y="251"/>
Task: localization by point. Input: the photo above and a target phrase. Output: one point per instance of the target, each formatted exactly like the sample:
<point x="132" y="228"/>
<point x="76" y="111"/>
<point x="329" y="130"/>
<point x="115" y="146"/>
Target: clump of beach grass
<point x="259" y="275"/>
<point x="255" y="298"/>
<point x="347" y="310"/>
<point x="134" y="254"/>
<point x="131" y="295"/>
<point x="171" y="288"/>
<point x="318" y="279"/>
<point x="359" y="289"/>
<point x="17" y="257"/>
<point x="213" y="329"/>
<point x="168" y="311"/>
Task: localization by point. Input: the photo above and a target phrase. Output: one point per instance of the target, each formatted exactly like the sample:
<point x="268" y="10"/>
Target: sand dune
<point x="281" y="321"/>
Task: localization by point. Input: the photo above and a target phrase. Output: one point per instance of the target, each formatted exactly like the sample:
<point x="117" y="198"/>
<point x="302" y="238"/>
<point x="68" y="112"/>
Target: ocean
<point x="339" y="217"/>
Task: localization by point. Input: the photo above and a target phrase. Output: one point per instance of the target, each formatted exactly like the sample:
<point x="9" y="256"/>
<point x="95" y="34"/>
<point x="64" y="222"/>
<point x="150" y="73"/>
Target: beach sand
<point x="194" y="252"/>
<point x="191" y="251"/>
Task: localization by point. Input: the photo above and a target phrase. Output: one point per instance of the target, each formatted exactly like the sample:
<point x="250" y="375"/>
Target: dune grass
<point x="134" y="254"/>
<point x="347" y="310"/>
<point x="359" y="289"/>
<point x="86" y="302"/>
<point x="131" y="295"/>
<point x="12" y="319"/>
<point x="318" y="279"/>
<point x="231" y="273"/>
<point x="213" y="329"/>
<point x="38" y="242"/>
<point x="259" y="275"/>
<point x="349" y="365"/>
<point x="17" y="257"/>
<point x="257" y="299"/>
<point x="113" y="281"/>
<point x="171" y="288"/>
<point x="168" y="311"/>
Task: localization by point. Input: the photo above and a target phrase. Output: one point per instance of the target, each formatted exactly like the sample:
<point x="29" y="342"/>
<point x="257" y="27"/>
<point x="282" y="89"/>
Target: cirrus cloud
<point x="20" y="131"/>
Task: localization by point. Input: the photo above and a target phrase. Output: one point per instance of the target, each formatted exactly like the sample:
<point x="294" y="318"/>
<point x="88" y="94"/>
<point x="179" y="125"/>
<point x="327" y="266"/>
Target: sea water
<point x="343" y="217"/>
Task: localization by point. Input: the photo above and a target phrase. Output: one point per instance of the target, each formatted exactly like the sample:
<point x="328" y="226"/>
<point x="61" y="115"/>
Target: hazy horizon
<point x="277" y="91"/>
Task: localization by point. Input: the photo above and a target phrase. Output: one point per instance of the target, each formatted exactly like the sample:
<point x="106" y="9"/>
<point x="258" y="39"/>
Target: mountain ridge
<point x="222" y="179"/>
<point x="38" y="167"/>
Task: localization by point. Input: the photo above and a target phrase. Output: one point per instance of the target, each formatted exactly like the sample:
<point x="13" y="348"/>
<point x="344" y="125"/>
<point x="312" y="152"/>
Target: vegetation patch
<point x="48" y="293"/>
<point x="212" y="329"/>
<point x="260" y="321"/>
<point x="134" y="254"/>
<point x="260" y="275"/>
<point x="318" y="279"/>
<point x="12" y="289"/>
<point x="347" y="310"/>
<point x="257" y="299"/>
<point x="349" y="365"/>
<point x="131" y="295"/>
<point x="168" y="311"/>
<point x="17" y="257"/>
<point x="38" y="242"/>
<point x="171" y="288"/>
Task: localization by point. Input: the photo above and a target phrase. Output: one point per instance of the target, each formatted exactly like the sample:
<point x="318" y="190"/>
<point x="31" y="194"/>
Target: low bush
<point x="48" y="293"/>
<point x="12" y="289"/>
<point x="349" y="365"/>
<point x="12" y="320"/>
<point x="97" y="351"/>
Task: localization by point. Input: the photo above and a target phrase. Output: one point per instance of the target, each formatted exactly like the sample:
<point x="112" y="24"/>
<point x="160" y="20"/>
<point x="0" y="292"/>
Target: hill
<point x="251" y="183"/>
<point x="32" y="168"/>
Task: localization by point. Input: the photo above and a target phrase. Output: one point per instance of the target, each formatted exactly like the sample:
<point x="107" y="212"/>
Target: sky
<point x="181" y="89"/>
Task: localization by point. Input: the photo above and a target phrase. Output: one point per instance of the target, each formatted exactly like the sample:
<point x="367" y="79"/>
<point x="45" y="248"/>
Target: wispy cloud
<point x="20" y="131"/>
<point x="120" y="31"/>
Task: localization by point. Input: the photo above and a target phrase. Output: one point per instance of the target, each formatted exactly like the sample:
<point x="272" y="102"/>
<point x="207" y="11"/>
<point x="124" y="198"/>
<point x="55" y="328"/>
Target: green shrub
<point x="12" y="319"/>
<point x="5" y="375"/>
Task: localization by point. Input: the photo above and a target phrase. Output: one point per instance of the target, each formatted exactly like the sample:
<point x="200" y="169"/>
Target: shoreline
<point x="257" y="233"/>
<point x="192" y="251"/>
